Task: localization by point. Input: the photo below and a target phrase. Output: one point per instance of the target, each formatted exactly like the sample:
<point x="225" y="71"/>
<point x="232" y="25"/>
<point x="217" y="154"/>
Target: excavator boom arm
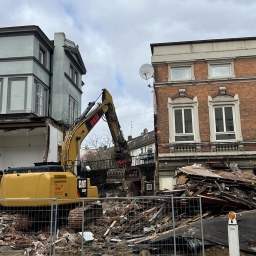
<point x="76" y="134"/>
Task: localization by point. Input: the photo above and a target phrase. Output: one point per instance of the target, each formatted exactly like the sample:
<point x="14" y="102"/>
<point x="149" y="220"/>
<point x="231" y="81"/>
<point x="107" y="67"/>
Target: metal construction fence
<point x="106" y="226"/>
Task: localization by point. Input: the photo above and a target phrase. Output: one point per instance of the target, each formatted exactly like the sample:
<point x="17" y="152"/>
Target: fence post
<point x="53" y="228"/>
<point x="202" y="228"/>
<point x="82" y="246"/>
<point x="51" y="221"/>
<point x="173" y="226"/>
<point x="233" y="237"/>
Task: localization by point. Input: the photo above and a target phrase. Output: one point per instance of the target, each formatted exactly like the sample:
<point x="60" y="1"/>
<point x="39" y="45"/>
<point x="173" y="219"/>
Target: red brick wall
<point x="161" y="73"/>
<point x="245" y="90"/>
<point x="201" y="71"/>
<point x="245" y="67"/>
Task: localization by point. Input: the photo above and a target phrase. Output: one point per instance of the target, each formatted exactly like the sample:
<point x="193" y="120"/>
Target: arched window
<point x="224" y="118"/>
<point x="183" y="120"/>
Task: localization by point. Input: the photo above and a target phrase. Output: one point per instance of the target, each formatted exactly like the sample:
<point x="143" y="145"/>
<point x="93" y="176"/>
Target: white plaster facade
<point x="212" y="50"/>
<point x="142" y="148"/>
<point x="39" y="95"/>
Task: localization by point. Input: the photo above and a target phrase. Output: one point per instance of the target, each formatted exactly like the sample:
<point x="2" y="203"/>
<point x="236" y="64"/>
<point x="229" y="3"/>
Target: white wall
<point x="27" y="47"/>
<point x="10" y="48"/>
<point x="206" y="50"/>
<point x="166" y="183"/>
<point x="56" y="139"/>
<point x="61" y="86"/>
<point x="21" y="150"/>
<point x="137" y="151"/>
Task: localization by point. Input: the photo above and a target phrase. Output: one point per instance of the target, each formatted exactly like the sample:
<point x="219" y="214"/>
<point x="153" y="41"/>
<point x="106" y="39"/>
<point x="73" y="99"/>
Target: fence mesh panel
<point x="108" y="226"/>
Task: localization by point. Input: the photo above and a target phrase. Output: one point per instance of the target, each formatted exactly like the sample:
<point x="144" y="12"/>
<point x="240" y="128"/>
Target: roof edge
<point x="27" y="30"/>
<point x="200" y="41"/>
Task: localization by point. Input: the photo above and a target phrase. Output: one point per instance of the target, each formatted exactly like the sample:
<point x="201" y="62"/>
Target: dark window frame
<point x="42" y="57"/>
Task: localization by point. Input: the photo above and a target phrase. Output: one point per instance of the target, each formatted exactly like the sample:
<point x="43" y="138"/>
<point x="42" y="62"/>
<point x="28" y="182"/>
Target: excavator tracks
<point x="84" y="216"/>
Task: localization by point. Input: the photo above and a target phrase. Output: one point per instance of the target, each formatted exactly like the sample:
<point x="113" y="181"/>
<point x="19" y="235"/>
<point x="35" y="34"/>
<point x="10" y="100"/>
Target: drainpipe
<point x="50" y="83"/>
<point x="156" y="175"/>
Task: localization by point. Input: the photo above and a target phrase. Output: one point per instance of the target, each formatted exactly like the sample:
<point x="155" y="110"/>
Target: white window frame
<point x="224" y="123"/>
<point x="225" y="101"/>
<point x="149" y="186"/>
<point x="183" y="103"/>
<point x="221" y="63"/>
<point x="180" y="66"/>
<point x="150" y="149"/>
<point x="72" y="110"/>
<point x="183" y="124"/>
<point x="18" y="93"/>
<point x="41" y="96"/>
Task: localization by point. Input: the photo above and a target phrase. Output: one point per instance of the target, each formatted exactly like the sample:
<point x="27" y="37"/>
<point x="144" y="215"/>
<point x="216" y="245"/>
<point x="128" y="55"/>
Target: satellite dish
<point x="146" y="71"/>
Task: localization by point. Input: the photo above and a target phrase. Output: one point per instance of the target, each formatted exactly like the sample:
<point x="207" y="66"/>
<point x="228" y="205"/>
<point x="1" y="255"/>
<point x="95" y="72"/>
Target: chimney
<point x="145" y="131"/>
<point x="129" y="137"/>
<point x="105" y="147"/>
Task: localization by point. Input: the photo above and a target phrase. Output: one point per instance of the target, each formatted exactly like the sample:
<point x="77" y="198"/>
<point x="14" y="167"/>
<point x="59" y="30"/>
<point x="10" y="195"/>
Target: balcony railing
<point x="143" y="159"/>
<point x="215" y="147"/>
<point x="110" y="163"/>
<point x="226" y="147"/>
<point x="98" y="164"/>
<point x="185" y="148"/>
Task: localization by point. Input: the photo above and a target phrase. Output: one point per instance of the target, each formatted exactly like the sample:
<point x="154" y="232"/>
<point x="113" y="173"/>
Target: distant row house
<point x="142" y="148"/>
<point x="205" y="111"/>
<point x="100" y="166"/>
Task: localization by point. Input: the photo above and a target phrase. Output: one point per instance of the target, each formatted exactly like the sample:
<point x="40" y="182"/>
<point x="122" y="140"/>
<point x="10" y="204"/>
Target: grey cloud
<point x="114" y="37"/>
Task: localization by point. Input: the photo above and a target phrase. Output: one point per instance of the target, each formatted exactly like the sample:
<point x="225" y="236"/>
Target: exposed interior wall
<point x="56" y="139"/>
<point x="21" y="150"/>
<point x="166" y="183"/>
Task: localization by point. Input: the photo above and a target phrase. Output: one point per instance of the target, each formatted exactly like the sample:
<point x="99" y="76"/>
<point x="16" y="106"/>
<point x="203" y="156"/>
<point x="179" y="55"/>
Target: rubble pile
<point x="221" y="189"/>
<point x="11" y="239"/>
<point x="126" y="228"/>
<point x="148" y="225"/>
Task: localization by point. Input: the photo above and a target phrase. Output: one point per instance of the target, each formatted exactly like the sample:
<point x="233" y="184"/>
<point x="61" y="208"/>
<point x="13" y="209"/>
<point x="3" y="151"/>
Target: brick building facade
<point x="205" y="107"/>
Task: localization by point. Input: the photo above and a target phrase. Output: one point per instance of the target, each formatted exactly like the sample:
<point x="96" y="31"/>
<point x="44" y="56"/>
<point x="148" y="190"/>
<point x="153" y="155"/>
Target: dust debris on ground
<point x="148" y="225"/>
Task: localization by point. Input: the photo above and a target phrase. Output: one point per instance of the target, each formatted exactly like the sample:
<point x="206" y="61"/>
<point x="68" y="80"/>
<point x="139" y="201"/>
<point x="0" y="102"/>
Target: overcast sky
<point x="114" y="38"/>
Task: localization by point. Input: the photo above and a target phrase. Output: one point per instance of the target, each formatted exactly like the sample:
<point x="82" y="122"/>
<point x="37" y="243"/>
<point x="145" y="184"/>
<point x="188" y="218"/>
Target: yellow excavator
<point x="36" y="186"/>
